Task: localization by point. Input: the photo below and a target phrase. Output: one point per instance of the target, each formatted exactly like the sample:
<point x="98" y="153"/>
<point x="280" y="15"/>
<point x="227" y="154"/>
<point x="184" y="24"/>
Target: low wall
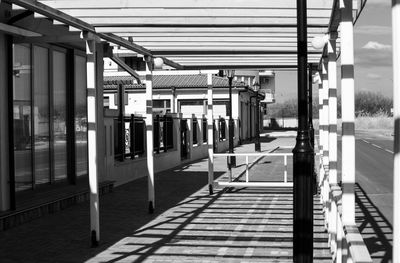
<point x="130" y="169"/>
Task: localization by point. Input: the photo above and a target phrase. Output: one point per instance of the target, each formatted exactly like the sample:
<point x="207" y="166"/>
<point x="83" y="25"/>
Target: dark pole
<point x="257" y="145"/>
<point x="302" y="153"/>
<point x="231" y="125"/>
<point x="310" y="124"/>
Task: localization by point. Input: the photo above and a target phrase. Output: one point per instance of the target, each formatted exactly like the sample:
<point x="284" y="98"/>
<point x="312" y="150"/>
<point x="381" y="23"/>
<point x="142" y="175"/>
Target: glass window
<point x="22" y="117"/>
<point x="41" y="114"/>
<point x="60" y="114"/>
<point x="80" y="116"/>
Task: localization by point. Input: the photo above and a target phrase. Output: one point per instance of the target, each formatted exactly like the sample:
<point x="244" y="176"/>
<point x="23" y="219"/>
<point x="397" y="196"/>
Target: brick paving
<point x="189" y="225"/>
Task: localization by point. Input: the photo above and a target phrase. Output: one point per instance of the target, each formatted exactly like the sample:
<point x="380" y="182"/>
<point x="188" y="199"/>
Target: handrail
<point x="285" y="183"/>
<point x="346" y="242"/>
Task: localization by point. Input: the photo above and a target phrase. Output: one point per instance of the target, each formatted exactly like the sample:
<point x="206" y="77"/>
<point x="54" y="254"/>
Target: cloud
<point x="376" y="46"/>
<point x="374" y="54"/>
<point x="373" y="30"/>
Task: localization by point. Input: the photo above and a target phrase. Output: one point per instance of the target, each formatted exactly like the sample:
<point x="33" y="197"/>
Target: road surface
<point x="374" y="190"/>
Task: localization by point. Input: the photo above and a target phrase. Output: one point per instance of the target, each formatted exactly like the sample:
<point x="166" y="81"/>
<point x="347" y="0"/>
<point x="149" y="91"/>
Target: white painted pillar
<point x="396" y="116"/>
<point x="332" y="109"/>
<point x="348" y="140"/>
<point x="210" y="133"/>
<point x="320" y="130"/>
<point x="92" y="136"/>
<point x="325" y="114"/>
<point x="149" y="132"/>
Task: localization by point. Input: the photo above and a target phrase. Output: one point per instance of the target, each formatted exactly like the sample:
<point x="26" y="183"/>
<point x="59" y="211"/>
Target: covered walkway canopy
<point x="200" y="34"/>
<point x="236" y="34"/>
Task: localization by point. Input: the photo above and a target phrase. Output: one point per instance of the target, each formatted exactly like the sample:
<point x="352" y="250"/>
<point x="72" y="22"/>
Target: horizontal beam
<point x="16" y="31"/>
<point x="168" y="13"/>
<point x="49" y="39"/>
<point x="206" y="30"/>
<point x="290" y="23"/>
<point x="52" y="13"/>
<point x="214" y="4"/>
<point x="255" y="184"/>
<point x="224" y="52"/>
<point x="239" y="66"/>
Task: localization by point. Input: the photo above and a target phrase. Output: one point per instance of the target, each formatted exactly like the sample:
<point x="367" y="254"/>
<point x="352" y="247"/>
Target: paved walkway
<point x="233" y="225"/>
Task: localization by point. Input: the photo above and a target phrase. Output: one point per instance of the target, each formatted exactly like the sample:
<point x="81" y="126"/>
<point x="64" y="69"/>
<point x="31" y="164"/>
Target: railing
<point x="232" y="182"/>
<point x="345" y="240"/>
<point x="129" y="137"/>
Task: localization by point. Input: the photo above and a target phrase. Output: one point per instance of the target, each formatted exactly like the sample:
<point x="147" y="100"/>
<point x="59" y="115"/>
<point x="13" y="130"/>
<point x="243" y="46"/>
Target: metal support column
<point x="348" y="139"/>
<point x="302" y="153"/>
<point x="232" y="162"/>
<point x="149" y="132"/>
<point x="91" y="81"/>
<point x="210" y="131"/>
<point x="396" y="111"/>
<point x="257" y="145"/>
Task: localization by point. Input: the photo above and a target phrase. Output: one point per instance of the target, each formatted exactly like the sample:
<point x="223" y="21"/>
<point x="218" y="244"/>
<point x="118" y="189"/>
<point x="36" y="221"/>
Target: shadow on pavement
<point x="376" y="230"/>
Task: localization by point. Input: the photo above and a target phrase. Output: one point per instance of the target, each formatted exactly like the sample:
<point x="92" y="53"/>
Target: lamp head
<point x="319" y="42"/>
<point x="230" y="73"/>
<point x="158" y="63"/>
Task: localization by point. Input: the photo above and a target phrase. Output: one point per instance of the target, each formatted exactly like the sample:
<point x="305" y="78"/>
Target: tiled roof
<point x="169" y="81"/>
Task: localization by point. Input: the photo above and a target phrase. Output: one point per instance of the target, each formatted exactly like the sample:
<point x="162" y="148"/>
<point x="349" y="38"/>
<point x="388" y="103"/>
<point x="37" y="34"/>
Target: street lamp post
<point x="302" y="153"/>
<point x="230" y="74"/>
<point x="257" y="145"/>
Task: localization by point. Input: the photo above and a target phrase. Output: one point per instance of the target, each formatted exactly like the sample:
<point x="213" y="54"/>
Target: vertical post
<point x="310" y="125"/>
<point x="149" y="132"/>
<point x="210" y="128"/>
<point x="348" y="140"/>
<point x="325" y="113"/>
<point x="121" y="110"/>
<point x="92" y="136"/>
<point x="132" y="134"/>
<point x="285" y="172"/>
<point x="396" y="111"/>
<point x="302" y="153"/>
<point x="247" y="168"/>
<point x="325" y="137"/>
<point x="320" y="130"/>
<point x="332" y="101"/>
<point x="232" y="159"/>
<point x="257" y="145"/>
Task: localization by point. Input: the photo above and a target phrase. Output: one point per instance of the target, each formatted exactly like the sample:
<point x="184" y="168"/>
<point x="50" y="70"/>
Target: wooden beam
<point x="52" y="13"/>
<point x="16" y="31"/>
<point x="215" y="4"/>
<point x="49" y="39"/>
<point x="125" y="43"/>
<point x="171" y="63"/>
<point x="128" y="69"/>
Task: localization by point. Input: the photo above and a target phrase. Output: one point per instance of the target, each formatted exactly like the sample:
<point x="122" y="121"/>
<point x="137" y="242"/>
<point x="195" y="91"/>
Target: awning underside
<point x="208" y="33"/>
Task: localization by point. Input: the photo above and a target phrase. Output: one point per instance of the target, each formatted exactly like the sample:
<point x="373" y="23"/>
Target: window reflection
<point x="59" y="115"/>
<point x="80" y="116"/>
<point x="41" y="115"/>
<point x="22" y="117"/>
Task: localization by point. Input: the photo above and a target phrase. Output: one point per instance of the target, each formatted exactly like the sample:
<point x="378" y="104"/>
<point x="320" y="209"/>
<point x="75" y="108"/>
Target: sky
<point x="372" y="55"/>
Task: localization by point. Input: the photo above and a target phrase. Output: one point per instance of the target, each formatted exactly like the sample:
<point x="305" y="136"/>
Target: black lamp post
<point x="257" y="145"/>
<point x="302" y="153"/>
<point x="230" y="74"/>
